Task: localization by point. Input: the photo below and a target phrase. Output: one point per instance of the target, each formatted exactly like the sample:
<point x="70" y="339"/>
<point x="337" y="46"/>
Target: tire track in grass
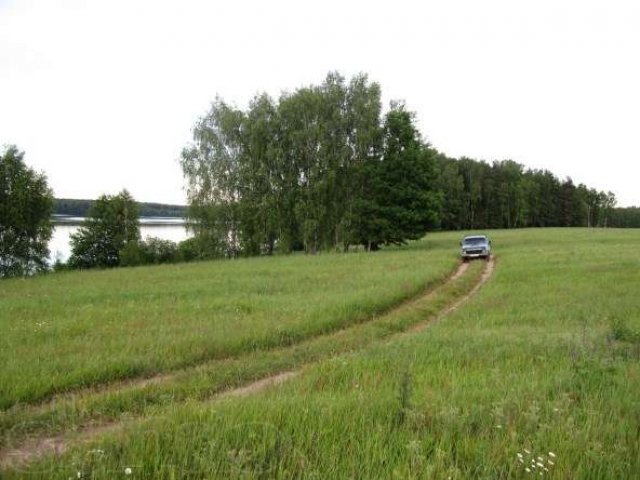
<point x="141" y="382"/>
<point x="486" y="274"/>
<point x="35" y="448"/>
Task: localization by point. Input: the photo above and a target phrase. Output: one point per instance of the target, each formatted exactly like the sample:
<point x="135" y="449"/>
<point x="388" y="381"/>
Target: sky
<point x="103" y="95"/>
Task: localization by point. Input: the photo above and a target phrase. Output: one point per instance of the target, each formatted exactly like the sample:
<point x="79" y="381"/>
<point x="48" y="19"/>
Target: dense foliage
<point x="626" y="217"/>
<point x="398" y="199"/>
<point x="110" y="237"/>
<point x="321" y="168"/>
<point x="25" y="211"/>
<point x="112" y="224"/>
<point x="505" y="195"/>
<point x="155" y="251"/>
<point x="80" y="208"/>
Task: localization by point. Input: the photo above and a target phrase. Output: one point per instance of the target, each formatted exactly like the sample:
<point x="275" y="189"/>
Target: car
<point x="475" y="246"/>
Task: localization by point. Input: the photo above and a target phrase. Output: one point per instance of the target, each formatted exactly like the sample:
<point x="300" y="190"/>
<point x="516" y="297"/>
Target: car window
<point x="474" y="241"/>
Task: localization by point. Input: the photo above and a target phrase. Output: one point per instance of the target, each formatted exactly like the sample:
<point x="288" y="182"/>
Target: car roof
<point x="468" y="237"/>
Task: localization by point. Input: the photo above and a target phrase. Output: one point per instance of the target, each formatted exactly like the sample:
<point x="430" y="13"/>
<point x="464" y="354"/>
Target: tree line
<point x="628" y="217"/>
<point x="80" y="208"/>
<point x="504" y="194"/>
<point x="319" y="168"/>
<point x="323" y="168"/>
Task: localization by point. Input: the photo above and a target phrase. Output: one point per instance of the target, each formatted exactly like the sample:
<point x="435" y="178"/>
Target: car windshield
<point x="474" y="240"/>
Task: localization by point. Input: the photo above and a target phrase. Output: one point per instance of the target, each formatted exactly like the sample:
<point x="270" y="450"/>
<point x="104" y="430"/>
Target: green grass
<point x="545" y="358"/>
<point x="72" y="330"/>
<point x="78" y="409"/>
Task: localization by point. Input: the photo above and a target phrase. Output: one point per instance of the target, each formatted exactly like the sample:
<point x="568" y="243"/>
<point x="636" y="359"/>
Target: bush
<point x="152" y="250"/>
<point x="188" y="250"/>
<point x="157" y="250"/>
<point x="132" y="254"/>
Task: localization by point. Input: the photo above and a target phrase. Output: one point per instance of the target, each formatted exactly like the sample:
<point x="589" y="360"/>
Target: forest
<point x="628" y="217"/>
<point x="80" y="208"/>
<point x="324" y="168"/>
<point x="320" y="169"/>
<point x="504" y="194"/>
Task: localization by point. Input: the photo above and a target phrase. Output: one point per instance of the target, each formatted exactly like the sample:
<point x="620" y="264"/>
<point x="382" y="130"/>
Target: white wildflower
<point x="541" y="459"/>
<point x="550" y="462"/>
<point x="527" y="451"/>
<point x="519" y="455"/>
<point x="528" y="469"/>
<point x="552" y="455"/>
<point x="127" y="471"/>
<point x="539" y="465"/>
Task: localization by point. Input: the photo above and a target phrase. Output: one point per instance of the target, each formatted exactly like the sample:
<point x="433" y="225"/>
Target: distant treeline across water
<point x="80" y="207"/>
<point x="628" y="217"/>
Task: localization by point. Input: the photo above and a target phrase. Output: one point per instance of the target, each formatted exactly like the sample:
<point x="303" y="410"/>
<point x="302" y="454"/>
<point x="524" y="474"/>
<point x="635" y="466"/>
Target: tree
<point x="258" y="178"/>
<point x="451" y="185"/>
<point x="26" y="204"/>
<point x="401" y="202"/>
<point x="283" y="174"/>
<point x="112" y="224"/>
<point x="212" y="167"/>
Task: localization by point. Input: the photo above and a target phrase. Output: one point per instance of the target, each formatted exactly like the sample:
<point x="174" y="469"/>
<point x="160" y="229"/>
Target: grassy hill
<point x="538" y="371"/>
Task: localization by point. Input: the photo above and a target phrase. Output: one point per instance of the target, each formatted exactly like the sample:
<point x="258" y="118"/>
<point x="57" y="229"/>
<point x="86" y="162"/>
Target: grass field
<point x="73" y="330"/>
<point x="541" y="365"/>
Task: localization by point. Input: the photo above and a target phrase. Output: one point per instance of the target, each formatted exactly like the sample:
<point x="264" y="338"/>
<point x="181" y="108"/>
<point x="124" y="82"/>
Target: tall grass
<point x="76" y="410"/>
<point x="542" y="365"/>
<point x="72" y="330"/>
<point x="540" y="371"/>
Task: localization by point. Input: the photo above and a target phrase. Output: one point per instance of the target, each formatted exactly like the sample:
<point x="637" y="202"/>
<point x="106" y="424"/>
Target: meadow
<point x="73" y="330"/>
<point x="537" y="374"/>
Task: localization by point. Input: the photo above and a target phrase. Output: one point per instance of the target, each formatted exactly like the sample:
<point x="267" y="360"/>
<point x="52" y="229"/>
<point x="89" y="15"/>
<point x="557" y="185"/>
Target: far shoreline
<point x="153" y="221"/>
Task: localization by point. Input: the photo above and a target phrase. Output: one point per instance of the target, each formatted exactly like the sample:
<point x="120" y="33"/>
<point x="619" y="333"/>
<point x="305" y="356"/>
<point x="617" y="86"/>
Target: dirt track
<point x="39" y="447"/>
<point x="486" y="274"/>
<point x="35" y="448"/>
<point x="141" y="382"/>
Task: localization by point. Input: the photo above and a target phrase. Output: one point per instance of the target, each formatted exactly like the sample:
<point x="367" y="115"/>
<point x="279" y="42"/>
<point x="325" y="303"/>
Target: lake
<point x="166" y="228"/>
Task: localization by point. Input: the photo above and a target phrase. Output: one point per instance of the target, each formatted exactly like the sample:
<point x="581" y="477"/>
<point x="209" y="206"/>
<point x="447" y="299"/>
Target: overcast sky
<point x="102" y="95"/>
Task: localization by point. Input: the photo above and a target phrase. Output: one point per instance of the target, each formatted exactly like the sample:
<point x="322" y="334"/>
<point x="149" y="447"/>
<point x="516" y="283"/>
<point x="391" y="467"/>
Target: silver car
<point x="475" y="246"/>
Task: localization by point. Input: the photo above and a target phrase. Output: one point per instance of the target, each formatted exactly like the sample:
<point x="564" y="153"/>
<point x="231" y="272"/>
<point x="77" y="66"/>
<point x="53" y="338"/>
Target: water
<point x="166" y="228"/>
